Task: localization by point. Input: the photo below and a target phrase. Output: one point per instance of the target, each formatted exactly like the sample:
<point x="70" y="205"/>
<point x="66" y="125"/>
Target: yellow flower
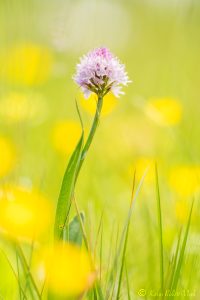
<point x="185" y="180"/>
<point x="110" y="101"/>
<point x="164" y="111"/>
<point x="15" y="107"/>
<point x="69" y="270"/>
<point x="65" y="136"/>
<point x="23" y="213"/>
<point x="144" y="165"/>
<point x="27" y="64"/>
<point x="7" y="156"/>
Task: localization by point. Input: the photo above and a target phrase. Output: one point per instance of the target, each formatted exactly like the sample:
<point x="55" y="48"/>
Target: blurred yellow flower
<point x="144" y="165"/>
<point x="7" y="156"/>
<point x="65" y="136"/>
<point x="27" y="64"/>
<point x="110" y="101"/>
<point x="15" y="107"/>
<point x="164" y="111"/>
<point x="185" y="180"/>
<point x="23" y="213"/>
<point x="69" y="270"/>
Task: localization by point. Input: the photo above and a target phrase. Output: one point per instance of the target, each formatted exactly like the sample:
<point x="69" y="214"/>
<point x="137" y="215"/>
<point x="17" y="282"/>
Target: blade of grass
<point x="127" y="283"/>
<point x="125" y="244"/>
<point x="101" y="255"/>
<point x="97" y="288"/>
<point x="174" y="263"/>
<point x="79" y="115"/>
<point x="160" y="232"/>
<point x="26" y="270"/>
<point x="42" y="289"/>
<point x="192" y="274"/>
<point x="134" y="197"/>
<point x="16" y="275"/>
<point x="150" y="251"/>
<point x="115" y="274"/>
<point x="98" y="233"/>
<point x="182" y="252"/>
<point x="106" y="288"/>
<point x="29" y="265"/>
<point x="99" y="291"/>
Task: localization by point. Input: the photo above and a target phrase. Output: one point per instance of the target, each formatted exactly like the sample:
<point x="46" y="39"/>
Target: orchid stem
<point x="92" y="132"/>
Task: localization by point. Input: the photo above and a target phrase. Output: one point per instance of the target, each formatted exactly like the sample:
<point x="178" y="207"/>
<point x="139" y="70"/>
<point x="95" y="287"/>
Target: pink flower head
<point x="100" y="72"/>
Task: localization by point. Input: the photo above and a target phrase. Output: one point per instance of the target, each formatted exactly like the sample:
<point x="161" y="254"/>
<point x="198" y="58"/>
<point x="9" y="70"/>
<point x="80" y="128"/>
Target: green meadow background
<point x="159" y="42"/>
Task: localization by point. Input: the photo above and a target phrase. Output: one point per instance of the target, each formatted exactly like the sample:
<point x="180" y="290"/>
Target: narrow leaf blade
<point x="160" y="231"/>
<point x="182" y="251"/>
<point x="67" y="190"/>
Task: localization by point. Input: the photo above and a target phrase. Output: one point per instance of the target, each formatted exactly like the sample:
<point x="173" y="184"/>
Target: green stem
<point x="83" y="155"/>
<point x="71" y="175"/>
<point x="160" y="233"/>
<point x="92" y="132"/>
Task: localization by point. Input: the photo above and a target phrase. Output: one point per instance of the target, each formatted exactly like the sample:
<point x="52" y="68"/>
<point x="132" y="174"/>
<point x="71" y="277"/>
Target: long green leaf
<point x="160" y="231"/>
<point x="182" y="251"/>
<point x="174" y="262"/>
<point x="127" y="283"/>
<point x="67" y="190"/>
<point x="125" y="245"/>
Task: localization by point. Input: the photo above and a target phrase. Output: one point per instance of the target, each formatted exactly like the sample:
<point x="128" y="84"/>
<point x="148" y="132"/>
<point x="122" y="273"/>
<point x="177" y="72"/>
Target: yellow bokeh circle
<point x="69" y="270"/>
<point x="164" y="111"/>
<point x="65" y="136"/>
<point x="27" y="64"/>
<point x="24" y="213"/>
<point x="19" y="107"/>
<point x="89" y="105"/>
<point x="185" y="180"/>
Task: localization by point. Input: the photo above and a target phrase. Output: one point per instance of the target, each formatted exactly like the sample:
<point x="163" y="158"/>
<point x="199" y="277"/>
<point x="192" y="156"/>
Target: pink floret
<point x="100" y="72"/>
